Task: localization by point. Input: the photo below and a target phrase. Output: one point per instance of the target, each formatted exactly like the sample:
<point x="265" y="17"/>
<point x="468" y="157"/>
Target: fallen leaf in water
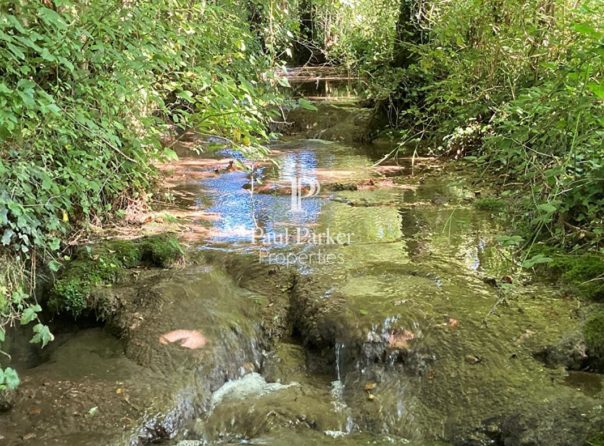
<point x="370" y="386"/>
<point x="191" y="339"/>
<point x="400" y="339"/>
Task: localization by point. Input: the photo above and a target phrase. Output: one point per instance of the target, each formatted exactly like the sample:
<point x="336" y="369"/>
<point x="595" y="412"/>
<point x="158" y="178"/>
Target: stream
<point x="339" y="303"/>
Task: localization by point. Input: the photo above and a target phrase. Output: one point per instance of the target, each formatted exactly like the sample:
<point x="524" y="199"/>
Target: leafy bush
<point x="87" y="90"/>
<point x="520" y="85"/>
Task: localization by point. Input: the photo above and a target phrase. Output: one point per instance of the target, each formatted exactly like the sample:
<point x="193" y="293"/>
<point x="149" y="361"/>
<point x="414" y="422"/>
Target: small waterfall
<point x="339" y="347"/>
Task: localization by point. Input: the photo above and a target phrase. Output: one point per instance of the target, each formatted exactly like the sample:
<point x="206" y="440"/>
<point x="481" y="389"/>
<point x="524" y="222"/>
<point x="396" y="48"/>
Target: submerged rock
<point x="556" y="423"/>
<point x="7" y="399"/>
<point x="570" y="353"/>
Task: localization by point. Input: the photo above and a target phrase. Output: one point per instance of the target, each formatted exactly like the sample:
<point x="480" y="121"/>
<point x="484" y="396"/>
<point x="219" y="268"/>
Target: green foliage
<point x="519" y="85"/>
<point x="8" y="379"/>
<point x="90" y="87"/>
<point x="86" y="93"/>
<point x="17" y="307"/>
<point x="593" y="331"/>
<point x="597" y="440"/>
<point x="356" y="33"/>
<point x="105" y="264"/>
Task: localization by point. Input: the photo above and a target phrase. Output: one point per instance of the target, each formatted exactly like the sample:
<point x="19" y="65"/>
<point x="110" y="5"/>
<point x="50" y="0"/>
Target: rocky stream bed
<point x="380" y="311"/>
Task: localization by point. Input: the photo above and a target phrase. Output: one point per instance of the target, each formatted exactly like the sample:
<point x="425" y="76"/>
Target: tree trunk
<point x="307" y="49"/>
<point x="408" y="32"/>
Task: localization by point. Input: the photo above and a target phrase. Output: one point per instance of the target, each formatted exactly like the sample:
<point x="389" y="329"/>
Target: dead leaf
<point x="472" y="359"/>
<point x="370" y="386"/>
<point x="191" y="339"/>
<point x="400" y="339"/>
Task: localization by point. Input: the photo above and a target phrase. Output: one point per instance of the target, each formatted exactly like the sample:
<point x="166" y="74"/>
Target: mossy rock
<point x="104" y="264"/>
<point x="490" y="204"/>
<point x="7" y="399"/>
<point x="583" y="272"/>
<point x="593" y="331"/>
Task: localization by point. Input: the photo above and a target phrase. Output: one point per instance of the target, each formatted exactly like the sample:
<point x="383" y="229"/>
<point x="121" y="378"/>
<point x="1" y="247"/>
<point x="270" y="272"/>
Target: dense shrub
<point x="518" y="85"/>
<point x="87" y="88"/>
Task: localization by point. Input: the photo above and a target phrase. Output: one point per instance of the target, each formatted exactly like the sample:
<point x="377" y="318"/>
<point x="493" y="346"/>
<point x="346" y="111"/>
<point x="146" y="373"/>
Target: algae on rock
<point x="104" y="264"/>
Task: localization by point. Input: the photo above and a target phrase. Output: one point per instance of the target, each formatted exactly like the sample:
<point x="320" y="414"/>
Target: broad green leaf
<point x="536" y="260"/>
<point x="597" y="89"/>
<point x="29" y="314"/>
<point x="42" y="335"/>
<point x="306" y="104"/>
<point x="7" y="236"/>
<point x="547" y="207"/>
<point x="11" y="378"/>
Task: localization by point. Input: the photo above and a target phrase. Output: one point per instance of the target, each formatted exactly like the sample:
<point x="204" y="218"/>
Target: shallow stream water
<point x="398" y="322"/>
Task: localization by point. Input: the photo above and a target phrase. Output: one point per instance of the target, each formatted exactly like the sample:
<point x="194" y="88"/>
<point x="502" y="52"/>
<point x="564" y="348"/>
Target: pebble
<point x="472" y="359"/>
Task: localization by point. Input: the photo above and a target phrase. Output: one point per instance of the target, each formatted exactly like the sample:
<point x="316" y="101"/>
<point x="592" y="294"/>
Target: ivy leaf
<point x="548" y="208"/>
<point x="54" y="266"/>
<point x="42" y="335"/>
<point x="7" y="236"/>
<point x="11" y="378"/>
<point x="30" y="314"/>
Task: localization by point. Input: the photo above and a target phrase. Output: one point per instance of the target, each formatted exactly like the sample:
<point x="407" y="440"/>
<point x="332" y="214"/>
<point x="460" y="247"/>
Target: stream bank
<point x="375" y="313"/>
